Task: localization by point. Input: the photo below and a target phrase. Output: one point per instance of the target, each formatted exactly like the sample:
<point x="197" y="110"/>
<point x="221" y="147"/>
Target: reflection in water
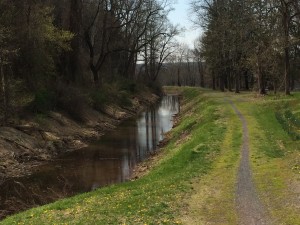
<point x="108" y="161"/>
<point x="154" y="123"/>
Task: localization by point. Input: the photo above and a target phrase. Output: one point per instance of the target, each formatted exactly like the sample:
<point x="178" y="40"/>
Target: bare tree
<point x="198" y="57"/>
<point x="160" y="47"/>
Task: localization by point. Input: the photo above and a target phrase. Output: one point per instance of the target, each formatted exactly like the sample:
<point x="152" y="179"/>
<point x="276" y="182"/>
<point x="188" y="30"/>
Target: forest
<point x="250" y="44"/>
<point x="61" y="54"/>
<point x="51" y="50"/>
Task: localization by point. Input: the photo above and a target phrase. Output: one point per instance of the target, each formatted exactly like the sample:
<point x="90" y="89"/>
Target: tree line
<point x="184" y="67"/>
<point x="47" y="44"/>
<point x="249" y="43"/>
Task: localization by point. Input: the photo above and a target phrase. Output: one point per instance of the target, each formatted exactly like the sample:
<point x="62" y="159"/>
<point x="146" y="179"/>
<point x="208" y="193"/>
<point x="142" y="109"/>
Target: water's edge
<point x="110" y="160"/>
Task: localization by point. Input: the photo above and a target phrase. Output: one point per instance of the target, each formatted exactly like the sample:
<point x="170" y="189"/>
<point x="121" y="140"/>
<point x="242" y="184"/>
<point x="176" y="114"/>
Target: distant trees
<point x="158" y="48"/>
<point x="250" y="43"/>
<point x="184" y="67"/>
<point x="149" y="37"/>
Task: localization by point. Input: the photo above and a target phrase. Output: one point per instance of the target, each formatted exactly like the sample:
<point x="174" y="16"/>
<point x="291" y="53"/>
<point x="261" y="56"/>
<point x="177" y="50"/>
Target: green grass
<point x="194" y="180"/>
<point x="213" y="199"/>
<point x="274" y="154"/>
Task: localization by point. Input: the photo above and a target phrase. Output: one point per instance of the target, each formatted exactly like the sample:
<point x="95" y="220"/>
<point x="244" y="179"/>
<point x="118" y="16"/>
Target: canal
<point x="108" y="161"/>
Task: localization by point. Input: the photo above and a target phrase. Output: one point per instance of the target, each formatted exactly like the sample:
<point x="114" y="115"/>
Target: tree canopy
<point x="81" y="43"/>
<point x="250" y="44"/>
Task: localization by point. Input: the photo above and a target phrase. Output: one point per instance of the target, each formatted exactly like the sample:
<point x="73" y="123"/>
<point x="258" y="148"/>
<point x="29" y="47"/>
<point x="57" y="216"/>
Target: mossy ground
<point x="194" y="180"/>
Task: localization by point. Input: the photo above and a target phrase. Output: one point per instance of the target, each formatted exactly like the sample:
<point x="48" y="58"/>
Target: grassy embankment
<point x="274" y="130"/>
<point x="275" y="157"/>
<point x="193" y="182"/>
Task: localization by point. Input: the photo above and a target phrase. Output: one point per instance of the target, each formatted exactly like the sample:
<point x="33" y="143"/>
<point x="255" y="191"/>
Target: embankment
<point x="41" y="138"/>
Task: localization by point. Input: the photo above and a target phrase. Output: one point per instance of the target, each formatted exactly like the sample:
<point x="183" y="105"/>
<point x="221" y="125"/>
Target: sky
<point x="181" y="15"/>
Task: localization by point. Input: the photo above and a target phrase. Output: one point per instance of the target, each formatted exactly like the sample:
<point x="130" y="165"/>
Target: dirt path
<point x="249" y="207"/>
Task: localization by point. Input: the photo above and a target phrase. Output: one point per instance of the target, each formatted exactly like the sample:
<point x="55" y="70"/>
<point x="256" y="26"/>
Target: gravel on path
<point x="249" y="207"/>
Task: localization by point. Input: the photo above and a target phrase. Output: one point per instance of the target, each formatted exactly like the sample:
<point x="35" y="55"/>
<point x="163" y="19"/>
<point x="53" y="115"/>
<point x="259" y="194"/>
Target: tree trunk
<point x="285" y="23"/>
<point x="75" y="71"/>
<point x="275" y="88"/>
<point x="237" y="83"/>
<point x="246" y="80"/>
<point x="97" y="81"/>
<point x="261" y="83"/>
<point x="292" y="82"/>
<point x="222" y="82"/>
<point x="287" y="71"/>
<point x="261" y="86"/>
<point x="178" y="77"/>
<point x="3" y="93"/>
<point x="201" y="72"/>
<point x="229" y="81"/>
<point x="260" y="78"/>
<point x="213" y="81"/>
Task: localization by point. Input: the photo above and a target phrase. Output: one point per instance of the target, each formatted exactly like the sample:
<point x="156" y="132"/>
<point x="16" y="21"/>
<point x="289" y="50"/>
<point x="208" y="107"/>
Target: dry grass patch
<point x="212" y="201"/>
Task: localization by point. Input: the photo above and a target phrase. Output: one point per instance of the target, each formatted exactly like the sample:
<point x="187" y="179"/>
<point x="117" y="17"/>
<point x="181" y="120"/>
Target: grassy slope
<point x="193" y="183"/>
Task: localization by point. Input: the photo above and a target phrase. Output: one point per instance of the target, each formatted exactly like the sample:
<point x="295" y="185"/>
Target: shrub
<point x="98" y="99"/>
<point x="157" y="88"/>
<point x="129" y="86"/>
<point x="117" y="94"/>
<point x="124" y="99"/>
<point x="44" y="101"/>
<point x="72" y="101"/>
<point x="292" y="118"/>
<point x="285" y="120"/>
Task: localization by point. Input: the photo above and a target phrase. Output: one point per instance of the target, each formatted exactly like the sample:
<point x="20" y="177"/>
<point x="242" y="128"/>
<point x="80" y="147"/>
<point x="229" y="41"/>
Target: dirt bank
<point x="39" y="139"/>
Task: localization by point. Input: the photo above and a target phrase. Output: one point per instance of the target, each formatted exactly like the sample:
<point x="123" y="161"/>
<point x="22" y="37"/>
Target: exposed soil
<point x="37" y="140"/>
<point x="249" y="207"/>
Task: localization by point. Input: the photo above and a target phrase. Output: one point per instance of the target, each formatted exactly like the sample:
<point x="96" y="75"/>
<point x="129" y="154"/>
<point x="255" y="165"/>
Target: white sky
<point x="181" y="15"/>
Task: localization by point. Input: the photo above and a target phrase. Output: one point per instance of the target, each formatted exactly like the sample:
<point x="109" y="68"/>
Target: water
<point x="110" y="160"/>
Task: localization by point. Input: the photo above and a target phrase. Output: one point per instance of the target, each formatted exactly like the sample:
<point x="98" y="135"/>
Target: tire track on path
<point x="250" y="209"/>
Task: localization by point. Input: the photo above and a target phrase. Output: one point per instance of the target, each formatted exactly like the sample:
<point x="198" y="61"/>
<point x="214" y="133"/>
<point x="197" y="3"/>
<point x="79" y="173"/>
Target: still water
<point x="110" y="160"/>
